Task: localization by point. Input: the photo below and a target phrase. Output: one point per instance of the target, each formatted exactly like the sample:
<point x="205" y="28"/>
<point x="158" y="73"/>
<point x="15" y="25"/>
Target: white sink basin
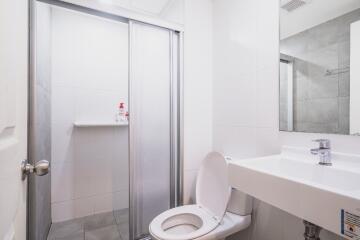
<point x="294" y="182"/>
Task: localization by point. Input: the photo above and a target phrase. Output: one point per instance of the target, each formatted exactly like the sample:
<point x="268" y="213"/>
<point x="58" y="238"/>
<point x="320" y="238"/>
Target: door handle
<point x="41" y="168"/>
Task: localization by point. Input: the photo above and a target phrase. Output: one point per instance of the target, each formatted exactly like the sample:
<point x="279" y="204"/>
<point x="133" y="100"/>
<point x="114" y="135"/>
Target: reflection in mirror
<point x="319" y="61"/>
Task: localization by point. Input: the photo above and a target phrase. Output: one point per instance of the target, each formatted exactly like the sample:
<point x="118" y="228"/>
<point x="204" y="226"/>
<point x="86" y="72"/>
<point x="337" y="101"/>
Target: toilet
<point x="219" y="210"/>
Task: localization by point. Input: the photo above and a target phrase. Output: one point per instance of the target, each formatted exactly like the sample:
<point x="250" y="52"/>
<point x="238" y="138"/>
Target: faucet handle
<point x="323" y="143"/>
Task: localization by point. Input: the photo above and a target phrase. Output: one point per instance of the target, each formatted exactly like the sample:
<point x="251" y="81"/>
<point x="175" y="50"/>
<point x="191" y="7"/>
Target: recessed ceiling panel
<point x="152" y="6"/>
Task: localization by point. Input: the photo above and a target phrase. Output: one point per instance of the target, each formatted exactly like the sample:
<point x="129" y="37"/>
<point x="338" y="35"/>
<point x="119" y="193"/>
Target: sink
<point x="331" y="178"/>
<point x="294" y="182"/>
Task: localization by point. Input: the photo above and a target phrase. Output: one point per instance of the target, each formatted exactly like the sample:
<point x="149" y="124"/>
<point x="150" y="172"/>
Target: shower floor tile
<point x="104" y="226"/>
<point x="122" y="222"/>
<point x="99" y="221"/>
<point x="63" y="230"/>
<point x="105" y="233"/>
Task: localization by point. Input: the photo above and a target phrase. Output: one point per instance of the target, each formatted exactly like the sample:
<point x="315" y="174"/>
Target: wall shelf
<point x="100" y="124"/>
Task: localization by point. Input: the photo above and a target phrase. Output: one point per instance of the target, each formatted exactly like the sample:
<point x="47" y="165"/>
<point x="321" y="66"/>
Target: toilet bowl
<point x="218" y="212"/>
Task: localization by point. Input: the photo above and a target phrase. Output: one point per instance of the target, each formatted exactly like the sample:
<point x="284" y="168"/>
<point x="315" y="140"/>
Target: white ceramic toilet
<point x="219" y="211"/>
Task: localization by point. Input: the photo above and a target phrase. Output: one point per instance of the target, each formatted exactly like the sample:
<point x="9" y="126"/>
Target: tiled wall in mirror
<point x="320" y="66"/>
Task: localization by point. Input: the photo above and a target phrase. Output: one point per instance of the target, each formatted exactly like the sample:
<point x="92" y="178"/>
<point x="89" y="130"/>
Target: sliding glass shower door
<point x="153" y="123"/>
<point x="93" y="61"/>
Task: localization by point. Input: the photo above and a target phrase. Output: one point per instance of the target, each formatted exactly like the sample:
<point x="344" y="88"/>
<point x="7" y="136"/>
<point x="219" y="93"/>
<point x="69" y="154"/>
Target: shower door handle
<point x="41" y="168"/>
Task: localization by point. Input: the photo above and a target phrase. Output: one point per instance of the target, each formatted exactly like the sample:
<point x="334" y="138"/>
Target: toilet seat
<point x="202" y="221"/>
<point x="193" y="221"/>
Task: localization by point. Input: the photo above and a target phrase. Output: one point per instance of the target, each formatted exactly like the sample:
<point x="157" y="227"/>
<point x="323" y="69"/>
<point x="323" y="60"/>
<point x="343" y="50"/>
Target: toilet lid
<point x="212" y="186"/>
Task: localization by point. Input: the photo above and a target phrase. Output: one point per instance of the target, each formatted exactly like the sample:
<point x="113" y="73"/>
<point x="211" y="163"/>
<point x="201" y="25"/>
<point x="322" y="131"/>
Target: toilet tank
<point x="240" y="203"/>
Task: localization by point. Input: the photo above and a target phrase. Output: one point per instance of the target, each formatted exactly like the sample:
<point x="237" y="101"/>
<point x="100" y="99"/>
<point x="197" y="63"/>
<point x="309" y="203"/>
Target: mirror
<point x="320" y="66"/>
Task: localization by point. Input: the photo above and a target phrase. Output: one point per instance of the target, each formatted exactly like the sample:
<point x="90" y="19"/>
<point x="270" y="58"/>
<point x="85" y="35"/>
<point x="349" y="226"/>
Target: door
<point x="153" y="124"/>
<point x="13" y="117"/>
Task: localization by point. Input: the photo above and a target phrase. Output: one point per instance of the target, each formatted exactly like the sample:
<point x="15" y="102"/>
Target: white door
<point x="13" y="117"/>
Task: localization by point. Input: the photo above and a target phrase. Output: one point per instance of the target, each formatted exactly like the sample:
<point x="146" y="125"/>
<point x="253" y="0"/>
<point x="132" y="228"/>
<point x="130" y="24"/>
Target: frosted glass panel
<point x="150" y="128"/>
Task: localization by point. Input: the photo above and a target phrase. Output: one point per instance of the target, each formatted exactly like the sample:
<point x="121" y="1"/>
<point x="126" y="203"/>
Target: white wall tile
<point x="234" y="24"/>
<point x="190" y="186"/>
<point x="267" y="40"/>
<point x="62" y="143"/>
<point x="267" y="98"/>
<point x="62" y="108"/>
<point x="63" y="211"/>
<point x="234" y="63"/>
<point x="98" y="105"/>
<point x="90" y="165"/>
<point x="247" y="125"/>
<point x="197" y="82"/>
<point x="197" y="148"/>
<point x="83" y="207"/>
<point x="103" y="203"/>
<point x="235" y="141"/>
<point x="120" y="161"/>
<point x="93" y="177"/>
<point x="121" y="200"/>
<point x="294" y="227"/>
<point x="268" y="222"/>
<point x="94" y="143"/>
<point x="234" y="100"/>
<point x="62" y="181"/>
<point x="267" y="141"/>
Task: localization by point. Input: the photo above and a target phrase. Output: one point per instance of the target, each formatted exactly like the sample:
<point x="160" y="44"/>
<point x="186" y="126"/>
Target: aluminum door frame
<point x="177" y="131"/>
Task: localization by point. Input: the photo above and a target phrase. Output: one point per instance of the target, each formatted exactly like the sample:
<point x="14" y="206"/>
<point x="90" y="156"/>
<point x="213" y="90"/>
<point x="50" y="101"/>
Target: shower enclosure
<point x="154" y="123"/>
<point x="84" y="60"/>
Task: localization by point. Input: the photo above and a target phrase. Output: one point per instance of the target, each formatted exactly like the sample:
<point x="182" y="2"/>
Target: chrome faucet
<point x="324" y="151"/>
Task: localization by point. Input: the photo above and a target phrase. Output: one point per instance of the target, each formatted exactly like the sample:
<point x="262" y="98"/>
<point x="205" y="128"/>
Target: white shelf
<point x="101" y="124"/>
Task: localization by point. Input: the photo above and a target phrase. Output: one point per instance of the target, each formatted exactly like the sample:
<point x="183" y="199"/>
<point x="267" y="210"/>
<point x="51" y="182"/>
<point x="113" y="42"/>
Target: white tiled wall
<point x="246" y="101"/>
<point x="245" y="82"/>
<point x="197" y="90"/>
<point x="89" y="79"/>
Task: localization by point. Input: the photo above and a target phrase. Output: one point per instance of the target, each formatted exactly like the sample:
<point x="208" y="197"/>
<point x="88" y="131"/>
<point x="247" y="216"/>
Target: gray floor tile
<point x="124" y="230"/>
<point x="107" y="226"/>
<point x="122" y="220"/>
<point x="99" y="221"/>
<point x="121" y="216"/>
<point x="105" y="233"/>
<point x="77" y="236"/>
<point x="66" y="229"/>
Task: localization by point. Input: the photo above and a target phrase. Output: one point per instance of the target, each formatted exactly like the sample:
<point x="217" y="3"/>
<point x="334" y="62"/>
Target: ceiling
<point x="155" y="7"/>
<point x="313" y="13"/>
